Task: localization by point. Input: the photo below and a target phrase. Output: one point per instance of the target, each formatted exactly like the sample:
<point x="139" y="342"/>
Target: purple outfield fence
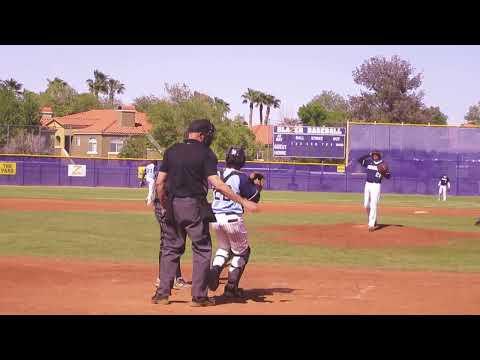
<point x="418" y="156"/>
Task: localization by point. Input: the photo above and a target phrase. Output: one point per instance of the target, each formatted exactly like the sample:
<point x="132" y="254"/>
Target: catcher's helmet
<point x="204" y="127"/>
<point x="235" y="157"/>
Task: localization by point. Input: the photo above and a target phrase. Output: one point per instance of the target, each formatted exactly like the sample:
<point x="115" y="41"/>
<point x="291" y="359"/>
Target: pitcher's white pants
<point x="442" y="192"/>
<point x="371" y="199"/>
<point x="151" y="188"/>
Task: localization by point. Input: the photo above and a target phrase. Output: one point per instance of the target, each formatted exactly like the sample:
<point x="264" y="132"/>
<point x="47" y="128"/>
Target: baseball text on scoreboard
<point x="309" y="142"/>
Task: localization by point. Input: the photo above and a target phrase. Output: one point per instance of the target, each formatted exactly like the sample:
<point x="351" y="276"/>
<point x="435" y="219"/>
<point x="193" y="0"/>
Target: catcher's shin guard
<point x="219" y="261"/>
<point x="236" y="270"/>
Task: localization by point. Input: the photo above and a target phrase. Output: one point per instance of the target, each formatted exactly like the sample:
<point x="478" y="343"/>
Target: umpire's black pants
<point x="188" y="221"/>
<point x="160" y="214"/>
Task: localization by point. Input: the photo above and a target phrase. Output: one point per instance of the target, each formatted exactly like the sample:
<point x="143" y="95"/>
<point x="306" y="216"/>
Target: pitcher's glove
<point x="384" y="170"/>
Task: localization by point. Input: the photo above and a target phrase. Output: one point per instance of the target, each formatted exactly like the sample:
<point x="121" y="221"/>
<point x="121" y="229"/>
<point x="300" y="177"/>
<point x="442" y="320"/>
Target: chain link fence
<point x="27" y="139"/>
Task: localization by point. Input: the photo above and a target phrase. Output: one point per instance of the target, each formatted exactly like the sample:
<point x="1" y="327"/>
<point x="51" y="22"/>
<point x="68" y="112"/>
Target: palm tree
<point x="271" y="101"/>
<point x="249" y="97"/>
<point x="223" y="105"/>
<point x="59" y="89"/>
<point x="114" y="87"/>
<point x="12" y="85"/>
<point x="98" y="84"/>
<point x="57" y="82"/>
<point x="260" y="100"/>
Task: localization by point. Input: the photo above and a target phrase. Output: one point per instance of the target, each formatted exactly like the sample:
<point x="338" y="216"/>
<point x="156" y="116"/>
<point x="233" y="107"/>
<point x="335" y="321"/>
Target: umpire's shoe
<point x="214" y="277"/>
<point x="202" y="302"/>
<point x="160" y="299"/>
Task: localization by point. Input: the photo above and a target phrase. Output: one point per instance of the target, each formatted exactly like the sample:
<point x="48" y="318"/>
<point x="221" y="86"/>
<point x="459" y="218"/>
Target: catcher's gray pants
<point x="187" y="222"/>
<point x="160" y="214"/>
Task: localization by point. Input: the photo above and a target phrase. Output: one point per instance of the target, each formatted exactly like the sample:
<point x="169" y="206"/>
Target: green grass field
<point x="123" y="236"/>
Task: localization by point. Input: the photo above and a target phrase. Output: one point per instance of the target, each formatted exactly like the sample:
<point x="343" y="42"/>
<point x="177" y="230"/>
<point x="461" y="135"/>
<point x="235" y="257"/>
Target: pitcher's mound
<point x="358" y="236"/>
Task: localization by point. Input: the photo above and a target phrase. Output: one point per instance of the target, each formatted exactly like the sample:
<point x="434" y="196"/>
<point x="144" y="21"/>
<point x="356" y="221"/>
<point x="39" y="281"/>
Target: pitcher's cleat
<point x="371" y="229"/>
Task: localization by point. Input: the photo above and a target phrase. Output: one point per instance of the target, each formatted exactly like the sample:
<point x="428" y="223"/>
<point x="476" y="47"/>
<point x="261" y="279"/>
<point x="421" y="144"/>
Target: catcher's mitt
<point x="257" y="179"/>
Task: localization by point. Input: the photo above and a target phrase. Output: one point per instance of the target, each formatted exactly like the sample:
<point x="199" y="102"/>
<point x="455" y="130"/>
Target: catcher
<point x="377" y="169"/>
<point x="231" y="233"/>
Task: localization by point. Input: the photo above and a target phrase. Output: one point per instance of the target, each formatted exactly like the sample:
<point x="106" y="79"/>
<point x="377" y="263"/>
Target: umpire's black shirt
<point x="188" y="166"/>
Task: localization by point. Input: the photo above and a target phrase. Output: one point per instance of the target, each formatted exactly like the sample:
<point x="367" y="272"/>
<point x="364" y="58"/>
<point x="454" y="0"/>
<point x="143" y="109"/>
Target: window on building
<point x="92" y="146"/>
<point x="116" y="145"/>
<point x="76" y="140"/>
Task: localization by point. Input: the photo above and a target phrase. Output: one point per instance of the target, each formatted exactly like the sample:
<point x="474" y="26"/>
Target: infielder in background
<point x="443" y="186"/>
<point x="150" y="178"/>
<point x="230" y="229"/>
<point x="377" y="169"/>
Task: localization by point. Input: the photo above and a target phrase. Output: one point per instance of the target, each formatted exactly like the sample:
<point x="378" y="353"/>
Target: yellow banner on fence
<point x="341" y="168"/>
<point x="140" y="171"/>
<point x="8" y="168"/>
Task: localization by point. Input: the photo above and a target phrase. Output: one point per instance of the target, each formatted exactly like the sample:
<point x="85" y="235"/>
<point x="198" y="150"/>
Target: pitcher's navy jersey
<point x="240" y="184"/>
<point x="444" y="180"/>
<point x="373" y="175"/>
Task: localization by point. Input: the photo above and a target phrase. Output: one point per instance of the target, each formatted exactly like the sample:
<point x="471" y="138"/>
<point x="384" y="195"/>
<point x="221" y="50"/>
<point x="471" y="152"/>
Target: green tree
<point x="134" y="147"/>
<point x="12" y="84"/>
<point x="392" y="91"/>
<point x="85" y="102"/>
<point x="170" y="121"/>
<point x="19" y="114"/>
<point x="98" y="85"/>
<point x="222" y="105"/>
<point x="260" y="100"/>
<point x="331" y="101"/>
<point x="144" y="103"/>
<point x="60" y="96"/>
<point x="433" y="115"/>
<point x="271" y="102"/>
<point x="178" y="93"/>
<point x="313" y="114"/>
<point x="30" y="105"/>
<point x="290" y="122"/>
<point x="250" y="97"/>
<point x="472" y="117"/>
<point x="114" y="87"/>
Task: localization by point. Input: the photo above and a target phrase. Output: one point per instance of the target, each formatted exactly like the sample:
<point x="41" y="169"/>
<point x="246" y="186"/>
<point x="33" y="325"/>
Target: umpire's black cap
<point x="205" y="127"/>
<point x="201" y="126"/>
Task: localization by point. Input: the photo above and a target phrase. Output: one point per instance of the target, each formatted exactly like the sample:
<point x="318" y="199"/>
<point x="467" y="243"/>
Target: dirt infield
<point x="267" y="207"/>
<point x="357" y="236"/>
<point x="53" y="286"/>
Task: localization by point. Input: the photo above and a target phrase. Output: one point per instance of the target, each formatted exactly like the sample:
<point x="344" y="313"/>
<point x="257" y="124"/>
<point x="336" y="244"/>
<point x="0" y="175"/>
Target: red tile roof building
<point x="263" y="134"/>
<point x="96" y="132"/>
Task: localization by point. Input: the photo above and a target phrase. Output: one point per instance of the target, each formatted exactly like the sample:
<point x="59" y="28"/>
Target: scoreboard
<point x="309" y="142"/>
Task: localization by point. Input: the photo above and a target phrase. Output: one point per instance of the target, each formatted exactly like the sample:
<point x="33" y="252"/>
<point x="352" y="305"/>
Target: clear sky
<point x="294" y="74"/>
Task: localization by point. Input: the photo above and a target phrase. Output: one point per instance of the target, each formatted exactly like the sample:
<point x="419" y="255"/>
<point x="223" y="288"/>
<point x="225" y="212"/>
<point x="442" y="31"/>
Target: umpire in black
<point x="186" y="170"/>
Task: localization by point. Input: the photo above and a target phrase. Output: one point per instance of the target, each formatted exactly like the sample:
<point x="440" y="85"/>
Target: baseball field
<point x="95" y="251"/>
